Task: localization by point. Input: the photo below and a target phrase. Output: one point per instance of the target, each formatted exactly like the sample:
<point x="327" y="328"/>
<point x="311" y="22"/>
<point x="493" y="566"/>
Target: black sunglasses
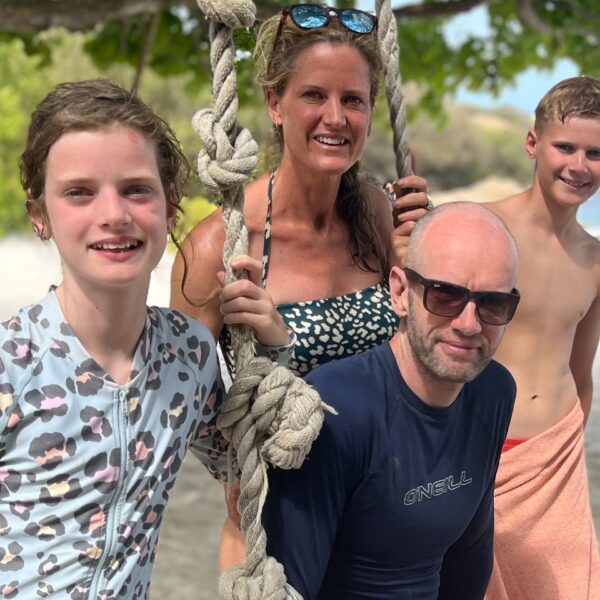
<point x="448" y="300"/>
<point x="313" y="16"/>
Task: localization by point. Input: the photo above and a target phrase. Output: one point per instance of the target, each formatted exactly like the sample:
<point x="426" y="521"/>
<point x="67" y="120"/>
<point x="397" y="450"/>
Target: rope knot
<point x="271" y="584"/>
<point x="285" y="411"/>
<point x="231" y="13"/>
<point x="297" y="423"/>
<point x="221" y="165"/>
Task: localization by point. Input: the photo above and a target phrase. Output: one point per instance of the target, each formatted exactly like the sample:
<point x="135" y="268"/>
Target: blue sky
<point x="528" y="90"/>
<point x="529" y="87"/>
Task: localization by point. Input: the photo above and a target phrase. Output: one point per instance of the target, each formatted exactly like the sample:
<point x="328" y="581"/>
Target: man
<point x="395" y="499"/>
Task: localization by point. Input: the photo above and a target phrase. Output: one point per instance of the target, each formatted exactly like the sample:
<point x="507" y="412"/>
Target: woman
<point x="320" y="238"/>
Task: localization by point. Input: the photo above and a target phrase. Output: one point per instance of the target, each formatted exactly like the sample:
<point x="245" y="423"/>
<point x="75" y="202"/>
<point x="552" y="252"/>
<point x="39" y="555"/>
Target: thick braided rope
<point x="269" y="414"/>
<point x="387" y="32"/>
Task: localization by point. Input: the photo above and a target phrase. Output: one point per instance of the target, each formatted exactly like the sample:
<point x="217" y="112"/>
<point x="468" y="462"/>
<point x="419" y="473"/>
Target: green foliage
<point x="177" y="83"/>
<point x="21" y="83"/>
<point x="487" y="60"/>
<point x="473" y="145"/>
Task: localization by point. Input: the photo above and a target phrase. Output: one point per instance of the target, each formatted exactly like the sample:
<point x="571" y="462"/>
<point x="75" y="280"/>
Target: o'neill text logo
<point x="437" y="488"/>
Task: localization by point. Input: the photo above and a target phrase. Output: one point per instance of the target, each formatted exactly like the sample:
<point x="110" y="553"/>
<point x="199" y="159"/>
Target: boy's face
<point x="568" y="159"/>
<point x="106" y="208"/>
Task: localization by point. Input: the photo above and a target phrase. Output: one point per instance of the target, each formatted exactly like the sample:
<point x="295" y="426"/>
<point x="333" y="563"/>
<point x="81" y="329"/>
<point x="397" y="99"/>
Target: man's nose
<point x="467" y="322"/>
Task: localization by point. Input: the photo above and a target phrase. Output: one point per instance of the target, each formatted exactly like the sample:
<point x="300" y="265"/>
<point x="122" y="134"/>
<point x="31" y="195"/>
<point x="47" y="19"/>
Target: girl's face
<point x="325" y="110"/>
<point x="105" y="208"/>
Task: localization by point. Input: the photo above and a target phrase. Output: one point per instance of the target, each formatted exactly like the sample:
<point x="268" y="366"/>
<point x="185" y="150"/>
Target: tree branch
<point x="149" y="38"/>
<point x="528" y="13"/>
<point x="31" y="16"/>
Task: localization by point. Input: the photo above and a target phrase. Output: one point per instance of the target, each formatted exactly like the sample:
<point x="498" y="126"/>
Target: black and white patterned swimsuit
<point x="330" y="328"/>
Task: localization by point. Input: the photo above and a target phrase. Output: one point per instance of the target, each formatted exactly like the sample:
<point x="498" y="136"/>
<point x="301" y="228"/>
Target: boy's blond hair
<point x="574" y="97"/>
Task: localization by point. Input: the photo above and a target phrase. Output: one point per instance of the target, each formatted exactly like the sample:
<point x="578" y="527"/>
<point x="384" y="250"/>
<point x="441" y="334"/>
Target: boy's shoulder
<point x="514" y="211"/>
<point x="511" y="208"/>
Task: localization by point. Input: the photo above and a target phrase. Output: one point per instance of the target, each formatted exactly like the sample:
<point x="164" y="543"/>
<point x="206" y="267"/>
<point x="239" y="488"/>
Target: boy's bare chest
<point x="557" y="287"/>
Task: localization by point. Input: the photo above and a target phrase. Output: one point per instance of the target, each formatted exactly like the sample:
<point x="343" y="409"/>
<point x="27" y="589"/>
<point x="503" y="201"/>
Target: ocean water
<point x="589" y="214"/>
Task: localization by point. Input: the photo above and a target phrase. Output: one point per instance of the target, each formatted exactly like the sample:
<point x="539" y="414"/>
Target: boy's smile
<point x="568" y="159"/>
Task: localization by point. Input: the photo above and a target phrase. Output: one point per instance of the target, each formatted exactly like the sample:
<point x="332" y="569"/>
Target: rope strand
<point x="387" y="32"/>
<point x="269" y="414"/>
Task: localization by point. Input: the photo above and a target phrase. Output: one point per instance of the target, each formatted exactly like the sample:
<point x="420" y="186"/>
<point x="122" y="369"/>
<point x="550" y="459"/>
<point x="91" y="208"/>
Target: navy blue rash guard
<point x="395" y="499"/>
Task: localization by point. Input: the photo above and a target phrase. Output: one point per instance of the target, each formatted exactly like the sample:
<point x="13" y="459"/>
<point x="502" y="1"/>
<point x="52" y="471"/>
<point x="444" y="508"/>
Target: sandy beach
<point x="187" y="553"/>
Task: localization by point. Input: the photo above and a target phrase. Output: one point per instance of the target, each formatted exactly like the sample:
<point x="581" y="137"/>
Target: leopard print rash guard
<point x="86" y="465"/>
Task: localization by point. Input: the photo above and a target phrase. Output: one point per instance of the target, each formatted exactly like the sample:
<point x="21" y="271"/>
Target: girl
<point x="100" y="396"/>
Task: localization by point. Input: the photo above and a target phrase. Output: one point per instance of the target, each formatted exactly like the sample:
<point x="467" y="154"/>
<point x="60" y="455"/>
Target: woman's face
<point x="325" y="110"/>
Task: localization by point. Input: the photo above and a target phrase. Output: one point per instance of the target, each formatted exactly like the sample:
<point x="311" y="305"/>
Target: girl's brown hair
<point x="92" y="105"/>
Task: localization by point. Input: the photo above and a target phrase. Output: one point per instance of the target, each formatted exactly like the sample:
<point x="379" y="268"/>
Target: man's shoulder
<point x="349" y="372"/>
<point x="496" y="381"/>
<point x="353" y="385"/>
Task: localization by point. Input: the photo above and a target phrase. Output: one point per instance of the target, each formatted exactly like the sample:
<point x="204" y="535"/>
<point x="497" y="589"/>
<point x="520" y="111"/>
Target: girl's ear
<point x="399" y="291"/>
<point x="38" y="218"/>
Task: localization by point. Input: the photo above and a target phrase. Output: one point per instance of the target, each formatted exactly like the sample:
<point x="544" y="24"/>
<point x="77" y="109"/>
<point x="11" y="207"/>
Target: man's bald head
<point x="459" y="228"/>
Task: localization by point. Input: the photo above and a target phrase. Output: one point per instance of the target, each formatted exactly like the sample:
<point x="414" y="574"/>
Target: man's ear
<point x="399" y="291"/>
<point x="531" y="142"/>
<point x="273" y="106"/>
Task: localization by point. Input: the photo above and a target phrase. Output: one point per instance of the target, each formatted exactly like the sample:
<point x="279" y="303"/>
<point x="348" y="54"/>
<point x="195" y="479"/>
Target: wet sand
<point x="187" y="552"/>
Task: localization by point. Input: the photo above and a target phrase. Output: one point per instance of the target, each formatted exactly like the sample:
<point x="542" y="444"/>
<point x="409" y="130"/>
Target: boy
<point x="545" y="545"/>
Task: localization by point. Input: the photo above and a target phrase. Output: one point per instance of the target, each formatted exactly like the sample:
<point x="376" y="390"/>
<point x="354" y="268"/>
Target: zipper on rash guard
<point x="113" y="511"/>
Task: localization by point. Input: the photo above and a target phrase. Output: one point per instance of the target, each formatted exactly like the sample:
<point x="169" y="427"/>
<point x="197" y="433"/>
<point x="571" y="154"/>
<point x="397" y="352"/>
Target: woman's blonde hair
<point x="275" y="62"/>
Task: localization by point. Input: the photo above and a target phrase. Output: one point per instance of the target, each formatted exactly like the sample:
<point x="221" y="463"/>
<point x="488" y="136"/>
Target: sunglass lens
<point x="309" y="16"/>
<point x="356" y="21"/>
<point x="446" y="300"/>
<point x="497" y="308"/>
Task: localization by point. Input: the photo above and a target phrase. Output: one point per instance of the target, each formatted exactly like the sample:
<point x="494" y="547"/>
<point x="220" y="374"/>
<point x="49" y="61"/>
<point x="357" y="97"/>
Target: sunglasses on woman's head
<point x="313" y="16"/>
<point x="448" y="300"/>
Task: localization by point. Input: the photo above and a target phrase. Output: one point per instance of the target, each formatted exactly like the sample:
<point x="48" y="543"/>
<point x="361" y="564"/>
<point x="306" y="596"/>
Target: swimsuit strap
<point x="267" y="238"/>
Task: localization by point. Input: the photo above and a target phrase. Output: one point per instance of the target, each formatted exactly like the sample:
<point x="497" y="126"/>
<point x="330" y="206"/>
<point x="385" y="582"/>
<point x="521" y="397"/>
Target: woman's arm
<point x="195" y="289"/>
<point x="199" y="291"/>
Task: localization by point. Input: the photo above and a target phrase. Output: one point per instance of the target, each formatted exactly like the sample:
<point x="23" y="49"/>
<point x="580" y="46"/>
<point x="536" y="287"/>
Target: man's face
<point x="453" y="349"/>
<point x="463" y="251"/>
